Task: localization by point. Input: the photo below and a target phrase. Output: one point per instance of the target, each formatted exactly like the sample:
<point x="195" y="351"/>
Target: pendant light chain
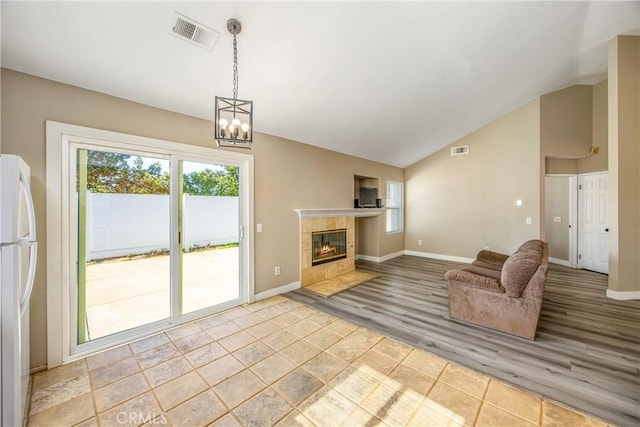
<point x="235" y="68"/>
<point x="233" y="121"/>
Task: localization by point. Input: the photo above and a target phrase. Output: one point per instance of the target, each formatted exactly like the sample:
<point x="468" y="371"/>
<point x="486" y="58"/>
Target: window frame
<point x="394" y="206"/>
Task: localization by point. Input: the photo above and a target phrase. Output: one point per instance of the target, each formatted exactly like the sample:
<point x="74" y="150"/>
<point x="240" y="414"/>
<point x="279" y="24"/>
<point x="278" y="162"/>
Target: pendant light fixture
<point x="234" y="117"/>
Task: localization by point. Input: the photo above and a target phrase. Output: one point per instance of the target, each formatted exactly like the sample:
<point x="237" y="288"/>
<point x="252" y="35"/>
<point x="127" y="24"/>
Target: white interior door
<point x="593" y="240"/>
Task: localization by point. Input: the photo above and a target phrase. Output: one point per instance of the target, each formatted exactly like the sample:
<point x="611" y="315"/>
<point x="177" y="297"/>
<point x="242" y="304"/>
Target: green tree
<point x="200" y="183"/>
<point x="112" y="173"/>
<point x="106" y="171"/>
<point x="229" y="181"/>
<point x="118" y="173"/>
<point x="148" y="181"/>
<point x="208" y="182"/>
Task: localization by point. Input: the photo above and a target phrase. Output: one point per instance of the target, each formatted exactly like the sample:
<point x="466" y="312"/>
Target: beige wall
<point x="554" y="165"/>
<point x="566" y="122"/>
<point x="565" y="163"/>
<point x="458" y="205"/>
<point x="288" y="174"/>
<point x="624" y="164"/>
<point x="369" y="226"/>
<point x="598" y="162"/>
<point x="557" y="204"/>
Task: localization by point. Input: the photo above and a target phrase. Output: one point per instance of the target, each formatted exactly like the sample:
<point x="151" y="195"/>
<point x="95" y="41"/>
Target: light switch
<point x="529" y="220"/>
<point x="557" y="219"/>
<point x="258" y="228"/>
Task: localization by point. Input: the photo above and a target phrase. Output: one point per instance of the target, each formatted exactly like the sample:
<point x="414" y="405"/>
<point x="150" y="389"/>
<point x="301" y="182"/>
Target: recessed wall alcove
<point x="365" y="192"/>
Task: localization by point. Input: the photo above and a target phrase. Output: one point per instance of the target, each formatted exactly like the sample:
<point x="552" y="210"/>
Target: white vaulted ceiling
<point x="386" y="81"/>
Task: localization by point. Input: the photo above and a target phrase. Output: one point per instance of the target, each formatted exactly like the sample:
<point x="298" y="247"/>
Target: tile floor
<point x="277" y="362"/>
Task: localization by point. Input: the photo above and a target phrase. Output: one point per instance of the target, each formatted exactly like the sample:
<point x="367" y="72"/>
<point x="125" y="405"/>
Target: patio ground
<point x="127" y="293"/>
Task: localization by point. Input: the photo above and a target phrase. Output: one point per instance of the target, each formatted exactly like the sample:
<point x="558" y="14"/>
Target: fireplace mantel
<point x="331" y="212"/>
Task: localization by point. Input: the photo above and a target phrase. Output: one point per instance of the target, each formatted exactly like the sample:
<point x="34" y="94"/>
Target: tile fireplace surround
<point x="313" y="220"/>
<point x="315" y="273"/>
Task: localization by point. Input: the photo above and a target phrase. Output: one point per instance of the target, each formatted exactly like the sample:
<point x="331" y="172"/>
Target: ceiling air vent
<point x="194" y="32"/>
<point x="460" y="151"/>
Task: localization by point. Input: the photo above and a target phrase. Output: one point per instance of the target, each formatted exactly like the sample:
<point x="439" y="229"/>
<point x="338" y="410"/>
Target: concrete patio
<point x="127" y="293"/>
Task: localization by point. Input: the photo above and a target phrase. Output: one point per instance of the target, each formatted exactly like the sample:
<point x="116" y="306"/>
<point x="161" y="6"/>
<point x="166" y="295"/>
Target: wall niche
<point x="365" y="192"/>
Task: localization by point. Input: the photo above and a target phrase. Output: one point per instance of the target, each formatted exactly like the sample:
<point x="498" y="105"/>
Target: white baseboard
<point x="559" y="261"/>
<point x="623" y="295"/>
<point x="277" y="291"/>
<point x="379" y="259"/>
<point x="38" y="369"/>
<point x="440" y="256"/>
<point x="391" y="256"/>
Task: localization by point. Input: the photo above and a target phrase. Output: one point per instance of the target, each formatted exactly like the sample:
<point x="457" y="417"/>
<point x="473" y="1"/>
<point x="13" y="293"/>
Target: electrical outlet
<point x="487" y="248"/>
<point x="277" y="270"/>
<point x="420" y="242"/>
<point x="529" y="220"/>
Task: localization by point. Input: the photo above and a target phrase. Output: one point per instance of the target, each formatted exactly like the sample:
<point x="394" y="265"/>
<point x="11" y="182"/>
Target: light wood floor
<point x="586" y="354"/>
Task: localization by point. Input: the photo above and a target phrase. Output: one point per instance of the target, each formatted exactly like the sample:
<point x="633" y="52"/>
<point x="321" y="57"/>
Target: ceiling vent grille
<point x="194" y="32"/>
<point x="460" y="151"/>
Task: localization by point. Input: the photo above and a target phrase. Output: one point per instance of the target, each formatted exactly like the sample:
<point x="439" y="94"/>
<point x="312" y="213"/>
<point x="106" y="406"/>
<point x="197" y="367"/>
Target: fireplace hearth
<point x="328" y="246"/>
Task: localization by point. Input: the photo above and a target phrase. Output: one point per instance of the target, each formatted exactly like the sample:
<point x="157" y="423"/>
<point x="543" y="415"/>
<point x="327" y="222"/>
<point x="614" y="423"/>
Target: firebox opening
<point x="329" y="245"/>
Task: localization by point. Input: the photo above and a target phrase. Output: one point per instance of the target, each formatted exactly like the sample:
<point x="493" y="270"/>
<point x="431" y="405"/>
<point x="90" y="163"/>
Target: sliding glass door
<point x="123" y="242"/>
<point x="209" y="235"/>
<point x="157" y="241"/>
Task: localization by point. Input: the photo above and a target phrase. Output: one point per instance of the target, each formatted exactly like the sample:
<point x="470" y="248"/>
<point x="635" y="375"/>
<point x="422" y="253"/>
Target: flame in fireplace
<point x="327" y="250"/>
<point x="329" y="245"/>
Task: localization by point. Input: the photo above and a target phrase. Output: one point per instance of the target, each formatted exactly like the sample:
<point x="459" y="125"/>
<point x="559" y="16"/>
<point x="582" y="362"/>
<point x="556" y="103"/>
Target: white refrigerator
<point x="17" y="268"/>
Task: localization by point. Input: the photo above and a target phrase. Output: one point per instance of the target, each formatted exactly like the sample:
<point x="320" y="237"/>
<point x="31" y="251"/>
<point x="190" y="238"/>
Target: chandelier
<point x="234" y="117"/>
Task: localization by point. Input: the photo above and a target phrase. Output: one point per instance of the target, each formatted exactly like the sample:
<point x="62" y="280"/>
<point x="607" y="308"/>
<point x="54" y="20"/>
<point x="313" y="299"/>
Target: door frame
<point x="59" y="272"/>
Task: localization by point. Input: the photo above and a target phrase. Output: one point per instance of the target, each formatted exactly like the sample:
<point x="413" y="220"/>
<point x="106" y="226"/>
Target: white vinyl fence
<point x="130" y="224"/>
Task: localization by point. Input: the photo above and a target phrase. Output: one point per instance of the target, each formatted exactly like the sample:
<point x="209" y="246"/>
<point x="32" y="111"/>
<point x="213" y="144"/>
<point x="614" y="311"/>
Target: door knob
<point x="606" y="229"/>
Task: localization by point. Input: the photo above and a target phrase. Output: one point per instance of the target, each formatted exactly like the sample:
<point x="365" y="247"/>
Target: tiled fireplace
<point x="327" y="248"/>
<point x="324" y="235"/>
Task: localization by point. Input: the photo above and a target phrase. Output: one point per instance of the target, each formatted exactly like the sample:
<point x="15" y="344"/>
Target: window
<point x="394" y="207"/>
